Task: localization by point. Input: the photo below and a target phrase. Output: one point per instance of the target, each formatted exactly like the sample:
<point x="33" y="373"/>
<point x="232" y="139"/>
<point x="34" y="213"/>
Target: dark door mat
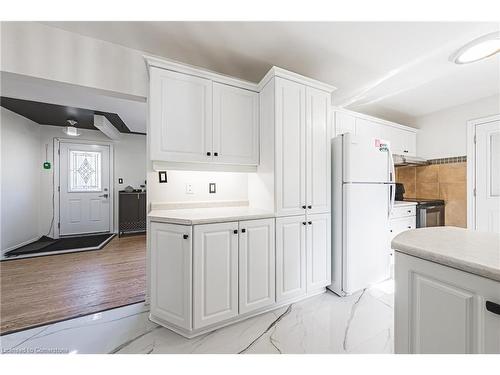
<point x="47" y="244"/>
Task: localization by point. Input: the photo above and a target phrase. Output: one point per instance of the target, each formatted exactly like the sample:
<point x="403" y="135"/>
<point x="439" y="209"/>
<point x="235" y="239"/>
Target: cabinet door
<point x="440" y="310"/>
<point x="257" y="282"/>
<point x="318" y="153"/>
<point x="215" y="273"/>
<point x="290" y="148"/>
<point x="236" y="125"/>
<point x="369" y="128"/>
<point x="344" y="123"/>
<point x="180" y="117"/>
<point x="319" y="252"/>
<point x="171" y="287"/>
<point x="290" y="257"/>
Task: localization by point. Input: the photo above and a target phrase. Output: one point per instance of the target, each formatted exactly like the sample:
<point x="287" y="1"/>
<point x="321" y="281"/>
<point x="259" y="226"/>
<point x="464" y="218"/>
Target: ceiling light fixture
<point x="479" y="49"/>
<point x="71" y="129"/>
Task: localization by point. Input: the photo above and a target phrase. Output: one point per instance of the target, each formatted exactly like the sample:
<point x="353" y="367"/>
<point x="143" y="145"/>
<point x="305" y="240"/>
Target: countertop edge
<point x="447" y="261"/>
<point x="168" y="220"/>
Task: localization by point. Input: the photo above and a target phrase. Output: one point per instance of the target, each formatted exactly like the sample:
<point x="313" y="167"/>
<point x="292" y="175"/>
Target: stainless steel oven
<point x="430" y="213"/>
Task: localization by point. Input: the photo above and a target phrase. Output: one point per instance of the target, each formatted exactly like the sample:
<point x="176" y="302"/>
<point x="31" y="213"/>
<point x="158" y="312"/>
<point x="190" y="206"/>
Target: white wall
<point x="443" y="134"/>
<point x="230" y="186"/>
<point x="129" y="164"/>
<point x="34" y="49"/>
<point x="20" y="171"/>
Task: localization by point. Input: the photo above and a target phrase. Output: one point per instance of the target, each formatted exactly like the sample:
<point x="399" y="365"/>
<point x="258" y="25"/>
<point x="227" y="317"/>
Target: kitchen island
<point x="447" y="291"/>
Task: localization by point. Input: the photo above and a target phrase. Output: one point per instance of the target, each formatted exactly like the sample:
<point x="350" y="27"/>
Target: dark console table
<point x="132" y="212"/>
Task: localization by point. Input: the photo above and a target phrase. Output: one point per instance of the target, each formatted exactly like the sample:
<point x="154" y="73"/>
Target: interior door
<point x="290" y="148"/>
<point x="257" y="284"/>
<point x="180" y="117"/>
<point x="318" y="125"/>
<point x="366" y="249"/>
<point x="215" y="273"/>
<point x="84" y="181"/>
<point x="488" y="177"/>
<point x="236" y="125"/>
<point x="290" y="257"/>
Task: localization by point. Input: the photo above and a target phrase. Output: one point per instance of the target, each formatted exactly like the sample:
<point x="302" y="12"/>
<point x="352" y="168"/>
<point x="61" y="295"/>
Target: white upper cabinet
<point x="215" y="273"/>
<point x="197" y="120"/>
<point x="180" y="117"/>
<point x="290" y="147"/>
<point x="344" y="123"/>
<point x="235" y="125"/>
<point x="318" y="134"/>
<point x="257" y="283"/>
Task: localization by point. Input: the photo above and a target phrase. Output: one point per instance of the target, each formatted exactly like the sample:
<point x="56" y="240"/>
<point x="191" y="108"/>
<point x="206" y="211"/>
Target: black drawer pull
<point x="216" y="154"/>
<point x="235" y="231"/>
<point x="309" y="207"/>
<point x="309" y="222"/>
<point x="304" y="207"/>
<point x="493" y="307"/>
<point x="208" y="154"/>
<point x="243" y="230"/>
<point x="304" y="223"/>
<point x="409" y="227"/>
<point x="185" y="236"/>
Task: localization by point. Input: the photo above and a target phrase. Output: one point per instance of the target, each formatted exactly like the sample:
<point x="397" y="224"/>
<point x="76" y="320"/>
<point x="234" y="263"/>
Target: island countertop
<point x="467" y="250"/>
<point x="206" y="215"/>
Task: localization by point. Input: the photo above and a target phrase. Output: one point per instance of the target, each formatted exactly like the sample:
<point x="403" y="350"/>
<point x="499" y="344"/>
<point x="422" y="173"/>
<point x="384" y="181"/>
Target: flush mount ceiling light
<point x="480" y="48"/>
<point x="71" y="129"/>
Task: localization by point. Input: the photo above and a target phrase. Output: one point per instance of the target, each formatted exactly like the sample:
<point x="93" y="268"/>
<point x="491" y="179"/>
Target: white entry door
<point x="85" y="197"/>
<point x="488" y="177"/>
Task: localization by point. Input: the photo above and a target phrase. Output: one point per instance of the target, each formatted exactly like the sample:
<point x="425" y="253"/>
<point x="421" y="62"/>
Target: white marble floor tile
<point x="360" y="323"/>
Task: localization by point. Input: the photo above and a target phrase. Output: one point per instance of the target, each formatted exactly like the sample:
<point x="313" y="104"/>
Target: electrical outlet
<point x="189" y="189"/>
<point x="211" y="187"/>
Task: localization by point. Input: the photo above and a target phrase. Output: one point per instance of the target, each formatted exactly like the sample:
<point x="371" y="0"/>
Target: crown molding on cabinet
<point x="283" y="73"/>
<point x="375" y="119"/>
<point x="176" y="66"/>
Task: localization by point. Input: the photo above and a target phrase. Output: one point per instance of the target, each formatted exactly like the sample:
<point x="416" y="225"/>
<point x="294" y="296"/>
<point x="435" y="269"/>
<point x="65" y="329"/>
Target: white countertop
<point x="467" y="250"/>
<point x="192" y="216"/>
<point x="404" y="203"/>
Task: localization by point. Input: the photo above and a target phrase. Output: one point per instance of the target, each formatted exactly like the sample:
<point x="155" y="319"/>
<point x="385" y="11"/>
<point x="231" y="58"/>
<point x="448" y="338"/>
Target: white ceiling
<point x="397" y="70"/>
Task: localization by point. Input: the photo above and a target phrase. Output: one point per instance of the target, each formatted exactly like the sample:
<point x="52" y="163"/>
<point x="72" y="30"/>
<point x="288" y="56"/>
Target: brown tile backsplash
<point x="443" y="179"/>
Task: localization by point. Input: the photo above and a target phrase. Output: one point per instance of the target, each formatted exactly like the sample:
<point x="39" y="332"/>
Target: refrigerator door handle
<point x="393" y="183"/>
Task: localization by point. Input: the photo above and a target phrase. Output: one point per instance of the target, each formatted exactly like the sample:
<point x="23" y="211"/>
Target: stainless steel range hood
<point x="405" y="160"/>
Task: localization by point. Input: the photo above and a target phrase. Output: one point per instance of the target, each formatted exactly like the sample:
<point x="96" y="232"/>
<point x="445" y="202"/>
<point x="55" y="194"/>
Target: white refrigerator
<point x="362" y="199"/>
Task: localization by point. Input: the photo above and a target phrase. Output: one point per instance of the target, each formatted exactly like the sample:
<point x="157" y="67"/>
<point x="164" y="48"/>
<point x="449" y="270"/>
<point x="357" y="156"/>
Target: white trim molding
<point x="471" y="166"/>
<point x="283" y="73"/>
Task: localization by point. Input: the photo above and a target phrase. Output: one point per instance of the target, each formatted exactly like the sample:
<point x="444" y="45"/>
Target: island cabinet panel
<point x="290" y="257"/>
<point x="215" y="273"/>
<point x="180" y="117"/>
<point x="439" y="309"/>
<point x="171" y="285"/>
<point x="256" y="265"/>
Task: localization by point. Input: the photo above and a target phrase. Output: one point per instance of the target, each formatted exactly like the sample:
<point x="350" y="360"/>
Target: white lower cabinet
<point x="290" y="257"/>
<point x="439" y="309"/>
<point x="318" y="252"/>
<point x="256" y="265"/>
<point x="171" y="276"/>
<point x="215" y="273"/>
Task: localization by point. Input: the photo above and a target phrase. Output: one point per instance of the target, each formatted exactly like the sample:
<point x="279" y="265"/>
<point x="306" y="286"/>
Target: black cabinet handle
<point x="216" y="154"/>
<point x="304" y="207"/>
<point x="235" y="231"/>
<point x="208" y="154"/>
<point x="493" y="307"/>
<point x="409" y="211"/>
<point x="243" y="230"/>
<point x="309" y="207"/>
<point x="304" y="223"/>
<point x="185" y="236"/>
<point x="309" y="222"/>
<point x="409" y="227"/>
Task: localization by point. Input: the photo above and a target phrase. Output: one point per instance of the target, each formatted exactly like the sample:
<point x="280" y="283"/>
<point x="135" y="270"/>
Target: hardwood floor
<point x="47" y="289"/>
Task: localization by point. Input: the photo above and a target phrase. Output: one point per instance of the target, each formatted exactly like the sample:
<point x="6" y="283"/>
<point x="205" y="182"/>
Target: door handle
<point x="103" y="196"/>
<point x="493" y="307"/>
